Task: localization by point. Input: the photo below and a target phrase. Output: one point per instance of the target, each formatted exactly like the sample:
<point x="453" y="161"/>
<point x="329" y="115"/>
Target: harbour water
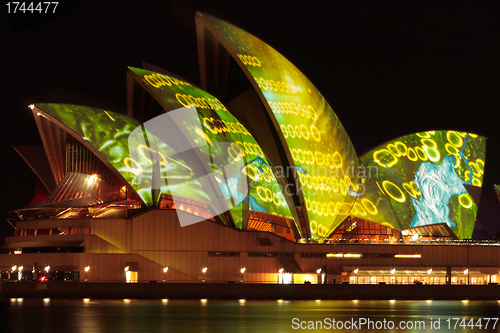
<point x="206" y="316"/>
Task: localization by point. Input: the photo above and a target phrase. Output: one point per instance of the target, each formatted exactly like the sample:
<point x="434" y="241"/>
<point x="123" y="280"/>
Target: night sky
<point x="387" y="68"/>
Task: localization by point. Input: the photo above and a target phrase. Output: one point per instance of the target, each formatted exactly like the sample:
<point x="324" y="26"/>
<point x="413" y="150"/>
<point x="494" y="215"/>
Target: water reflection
<point x="241" y="316"/>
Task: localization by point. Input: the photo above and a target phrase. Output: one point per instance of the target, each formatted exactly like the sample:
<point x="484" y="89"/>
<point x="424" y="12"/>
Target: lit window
<point x="408" y="256"/>
<point x="352" y="255"/>
<point x="285" y="278"/>
<point x="131" y="277"/>
<point x="343" y="255"/>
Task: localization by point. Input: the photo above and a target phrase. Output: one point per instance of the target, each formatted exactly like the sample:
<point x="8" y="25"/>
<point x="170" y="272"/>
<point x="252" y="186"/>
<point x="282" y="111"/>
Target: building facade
<point x="148" y="243"/>
<point x="258" y="185"/>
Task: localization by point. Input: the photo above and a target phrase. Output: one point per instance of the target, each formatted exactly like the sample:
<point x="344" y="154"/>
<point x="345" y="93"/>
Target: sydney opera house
<point x="250" y="179"/>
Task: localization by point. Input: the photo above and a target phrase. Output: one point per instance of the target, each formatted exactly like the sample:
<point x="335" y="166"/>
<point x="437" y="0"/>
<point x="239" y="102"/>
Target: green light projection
<point x="222" y="140"/>
<point x="107" y="132"/>
<point x="422" y="179"/>
<point x="320" y="148"/>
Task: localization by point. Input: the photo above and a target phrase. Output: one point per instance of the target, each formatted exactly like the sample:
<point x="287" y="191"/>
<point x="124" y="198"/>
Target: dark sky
<point x="387" y="68"/>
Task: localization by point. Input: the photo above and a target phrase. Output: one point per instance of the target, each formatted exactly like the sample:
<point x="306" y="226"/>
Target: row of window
<point x="362" y="255"/>
<point x="320" y="255"/>
<point x="224" y="254"/>
<point x="417" y="280"/>
<point x="252" y="254"/>
<point x="62" y="249"/>
<point x="270" y="254"/>
<point x="54" y="231"/>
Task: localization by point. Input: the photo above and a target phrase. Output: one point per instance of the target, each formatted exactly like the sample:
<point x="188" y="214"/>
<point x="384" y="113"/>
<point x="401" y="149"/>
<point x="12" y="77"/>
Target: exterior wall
<point x="158" y="236"/>
<point x="110" y="267"/>
<point x="117" y="232"/>
<point x="155" y="240"/>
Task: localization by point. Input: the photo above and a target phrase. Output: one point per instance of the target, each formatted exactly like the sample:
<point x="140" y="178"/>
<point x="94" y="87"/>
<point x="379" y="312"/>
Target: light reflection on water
<point x="240" y="316"/>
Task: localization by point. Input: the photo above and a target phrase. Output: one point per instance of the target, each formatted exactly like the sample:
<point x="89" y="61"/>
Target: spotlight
<point x="92" y="179"/>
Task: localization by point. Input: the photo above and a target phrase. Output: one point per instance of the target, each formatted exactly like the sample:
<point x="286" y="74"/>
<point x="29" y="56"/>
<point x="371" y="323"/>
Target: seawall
<point x="119" y="290"/>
